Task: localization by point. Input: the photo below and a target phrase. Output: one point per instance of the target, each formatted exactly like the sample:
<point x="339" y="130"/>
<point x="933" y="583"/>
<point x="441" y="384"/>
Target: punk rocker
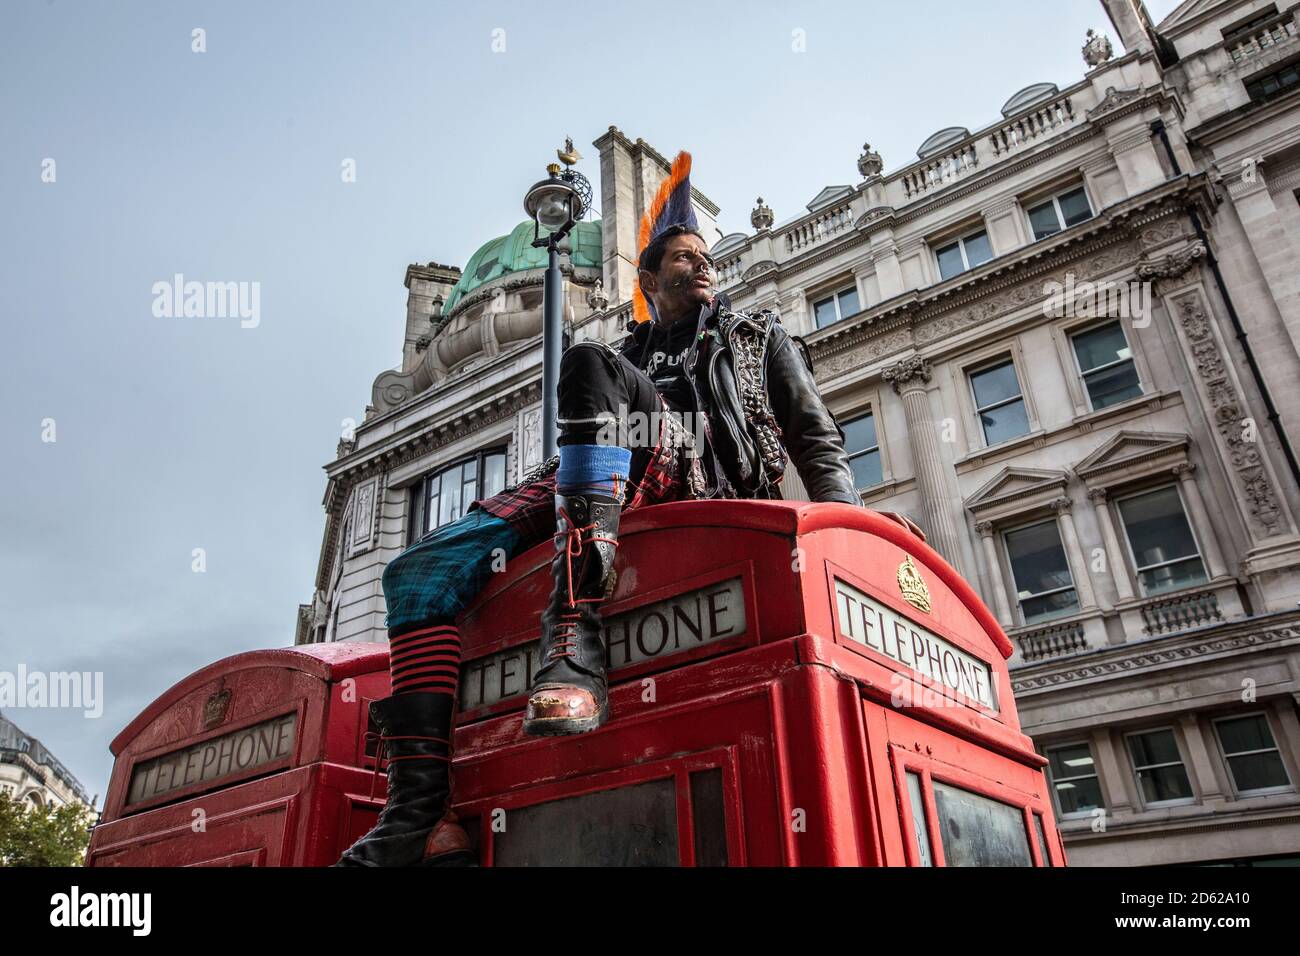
<point x="742" y="376"/>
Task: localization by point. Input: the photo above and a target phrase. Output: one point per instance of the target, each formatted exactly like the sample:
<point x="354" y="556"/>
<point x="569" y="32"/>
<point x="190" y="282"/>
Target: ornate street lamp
<point x="555" y="204"/>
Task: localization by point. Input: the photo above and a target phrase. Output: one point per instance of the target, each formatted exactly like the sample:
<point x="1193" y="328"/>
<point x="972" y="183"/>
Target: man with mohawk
<point x="688" y="352"/>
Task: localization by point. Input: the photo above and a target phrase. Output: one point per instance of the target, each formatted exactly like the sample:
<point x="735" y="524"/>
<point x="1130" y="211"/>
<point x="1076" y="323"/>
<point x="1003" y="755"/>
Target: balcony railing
<point x="821" y="226"/>
<point x="1262" y="38"/>
<point x="941" y="170"/>
<point x="1181" y="612"/>
<point x="1054" y="640"/>
<point x="1041" y="120"/>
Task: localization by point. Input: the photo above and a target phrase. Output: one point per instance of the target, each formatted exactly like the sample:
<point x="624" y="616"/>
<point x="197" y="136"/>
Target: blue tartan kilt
<point x="440" y="574"/>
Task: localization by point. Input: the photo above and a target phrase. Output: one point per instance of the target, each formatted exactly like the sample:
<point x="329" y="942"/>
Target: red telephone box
<point x="257" y="760"/>
<point x="791" y="684"/>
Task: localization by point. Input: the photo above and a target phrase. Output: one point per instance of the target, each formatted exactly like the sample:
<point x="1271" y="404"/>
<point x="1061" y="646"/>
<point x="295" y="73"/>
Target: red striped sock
<point x="426" y="660"/>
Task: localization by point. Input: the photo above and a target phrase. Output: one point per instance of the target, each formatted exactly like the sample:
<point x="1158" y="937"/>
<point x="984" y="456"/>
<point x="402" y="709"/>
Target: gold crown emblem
<point x="912" y="585"/>
<point x="214" y="709"/>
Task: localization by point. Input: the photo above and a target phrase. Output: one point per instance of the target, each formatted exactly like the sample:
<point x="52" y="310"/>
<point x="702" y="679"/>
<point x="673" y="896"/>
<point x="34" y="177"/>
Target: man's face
<point x="685" y="278"/>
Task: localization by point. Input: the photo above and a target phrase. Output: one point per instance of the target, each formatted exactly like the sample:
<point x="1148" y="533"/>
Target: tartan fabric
<point x="439" y="575"/>
<point x="670" y="475"/>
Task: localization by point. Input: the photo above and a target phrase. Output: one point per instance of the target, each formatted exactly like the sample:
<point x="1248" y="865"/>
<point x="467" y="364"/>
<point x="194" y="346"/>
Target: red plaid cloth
<point x="670" y="475"/>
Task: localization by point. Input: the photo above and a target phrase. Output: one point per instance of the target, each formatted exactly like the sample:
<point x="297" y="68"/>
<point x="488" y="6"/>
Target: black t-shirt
<point x="662" y="357"/>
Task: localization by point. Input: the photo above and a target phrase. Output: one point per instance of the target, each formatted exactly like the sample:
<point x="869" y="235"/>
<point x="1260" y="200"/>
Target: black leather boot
<point x="569" y="694"/>
<point x="417" y="826"/>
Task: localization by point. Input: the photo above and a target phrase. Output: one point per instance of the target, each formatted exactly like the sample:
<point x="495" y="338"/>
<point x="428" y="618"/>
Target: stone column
<point x="1073" y="554"/>
<point x="909" y="378"/>
<point x="1200" y="520"/>
<point x="1114" y="553"/>
<point x="1272" y="244"/>
<point x="1112" y="767"/>
<point x="996" y="581"/>
<point x="1205" y="782"/>
<point x="889" y="274"/>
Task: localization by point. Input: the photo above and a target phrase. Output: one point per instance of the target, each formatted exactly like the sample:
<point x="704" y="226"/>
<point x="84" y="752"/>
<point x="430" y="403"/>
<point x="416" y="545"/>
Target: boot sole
<point x="458" y="858"/>
<point x="565" y="726"/>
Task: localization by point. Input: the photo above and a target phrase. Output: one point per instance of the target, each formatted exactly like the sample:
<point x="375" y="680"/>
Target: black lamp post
<point x="555" y="204"/>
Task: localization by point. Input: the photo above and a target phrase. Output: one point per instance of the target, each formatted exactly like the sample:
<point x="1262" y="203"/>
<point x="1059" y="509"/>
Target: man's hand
<point x="903" y="520"/>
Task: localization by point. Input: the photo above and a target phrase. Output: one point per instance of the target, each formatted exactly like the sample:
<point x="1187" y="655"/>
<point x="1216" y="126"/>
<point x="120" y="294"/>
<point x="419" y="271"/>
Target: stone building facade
<point x="31" y="774"/>
<point x="1065" y="344"/>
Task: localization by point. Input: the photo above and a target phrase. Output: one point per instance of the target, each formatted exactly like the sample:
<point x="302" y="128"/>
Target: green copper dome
<point x="516" y="253"/>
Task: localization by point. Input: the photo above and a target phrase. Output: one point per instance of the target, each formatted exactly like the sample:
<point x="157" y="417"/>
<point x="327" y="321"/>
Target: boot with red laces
<point x="417" y="826"/>
<point x="569" y="693"/>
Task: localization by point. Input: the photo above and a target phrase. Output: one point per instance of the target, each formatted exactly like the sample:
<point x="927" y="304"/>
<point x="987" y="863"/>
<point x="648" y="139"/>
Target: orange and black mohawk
<point x="671" y="207"/>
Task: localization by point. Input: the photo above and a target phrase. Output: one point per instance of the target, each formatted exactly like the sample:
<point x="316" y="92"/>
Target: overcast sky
<point x="173" y="434"/>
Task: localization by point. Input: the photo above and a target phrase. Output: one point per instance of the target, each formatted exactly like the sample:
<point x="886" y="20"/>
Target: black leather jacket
<point x="809" y="433"/>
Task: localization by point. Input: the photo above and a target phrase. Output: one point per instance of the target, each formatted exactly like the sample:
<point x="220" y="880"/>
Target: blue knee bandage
<point x="599" y="469"/>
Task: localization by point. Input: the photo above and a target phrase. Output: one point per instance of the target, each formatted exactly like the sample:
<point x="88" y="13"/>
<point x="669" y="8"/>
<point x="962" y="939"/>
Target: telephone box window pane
<point x="627" y="826"/>
<point x="977" y="831"/>
<point x="494" y="475"/>
<point x="709" y="814"/>
<point x="1042" y="840"/>
<point x="918" y="820"/>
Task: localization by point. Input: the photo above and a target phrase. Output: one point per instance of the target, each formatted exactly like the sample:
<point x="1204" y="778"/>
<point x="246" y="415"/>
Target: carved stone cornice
<point x="1125" y="660"/>
<point x="1171" y="266"/>
<point x="1119" y="237"/>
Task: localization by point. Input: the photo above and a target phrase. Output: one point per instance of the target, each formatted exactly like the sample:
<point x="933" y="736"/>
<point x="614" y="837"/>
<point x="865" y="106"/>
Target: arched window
<point x="443" y="496"/>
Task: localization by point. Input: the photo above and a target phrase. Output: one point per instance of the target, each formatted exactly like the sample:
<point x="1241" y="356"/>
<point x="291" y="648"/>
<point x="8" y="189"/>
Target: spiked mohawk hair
<point x="671" y="207"/>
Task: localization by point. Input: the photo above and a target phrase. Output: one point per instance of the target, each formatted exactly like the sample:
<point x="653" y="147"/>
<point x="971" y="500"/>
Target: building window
<point x="999" y="402"/>
<point x="1106" y="364"/>
<point x="1252" y="755"/>
<point x="863" y="450"/>
<point x="1275" y="83"/>
<point x="1060" y="212"/>
<point x="1044" y="587"/>
<point x="1159" y="768"/>
<point x="442" y="497"/>
<point x="1161" y="542"/>
<point x="1073" y="773"/>
<point x="831" y="309"/>
<point x="966" y="253"/>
